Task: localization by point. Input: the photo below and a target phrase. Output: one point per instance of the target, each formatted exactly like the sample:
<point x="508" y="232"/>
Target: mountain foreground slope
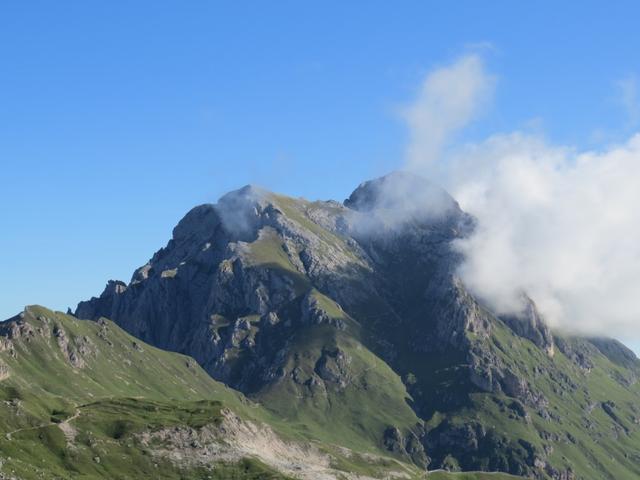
<point x="347" y="326"/>
<point x="84" y="399"/>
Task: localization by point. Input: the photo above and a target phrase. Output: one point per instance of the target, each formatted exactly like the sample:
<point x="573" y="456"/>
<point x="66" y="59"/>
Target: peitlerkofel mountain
<point x="339" y="342"/>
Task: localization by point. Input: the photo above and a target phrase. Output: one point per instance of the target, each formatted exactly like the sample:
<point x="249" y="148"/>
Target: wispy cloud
<point x="449" y="98"/>
<point x="629" y="98"/>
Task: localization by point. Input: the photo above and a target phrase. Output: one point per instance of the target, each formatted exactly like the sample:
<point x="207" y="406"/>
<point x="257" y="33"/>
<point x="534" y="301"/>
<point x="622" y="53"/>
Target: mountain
<point x="350" y="320"/>
<point x="348" y="325"/>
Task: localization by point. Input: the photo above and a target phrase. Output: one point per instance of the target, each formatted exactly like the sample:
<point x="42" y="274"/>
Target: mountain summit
<point x="402" y="192"/>
<point x="350" y="319"/>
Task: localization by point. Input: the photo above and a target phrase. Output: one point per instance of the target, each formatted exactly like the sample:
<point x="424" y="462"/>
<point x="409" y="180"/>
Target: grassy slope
<point x="120" y="390"/>
<point x="141" y="370"/>
<point x="355" y="415"/>
<point x="586" y="440"/>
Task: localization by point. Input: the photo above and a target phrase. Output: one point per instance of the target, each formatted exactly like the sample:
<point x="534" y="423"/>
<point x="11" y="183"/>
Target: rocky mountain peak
<point x="197" y="223"/>
<point x="402" y="191"/>
<point x="249" y="197"/>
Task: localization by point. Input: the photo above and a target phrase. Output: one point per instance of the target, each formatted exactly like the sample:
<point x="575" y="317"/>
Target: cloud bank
<point x="560" y="224"/>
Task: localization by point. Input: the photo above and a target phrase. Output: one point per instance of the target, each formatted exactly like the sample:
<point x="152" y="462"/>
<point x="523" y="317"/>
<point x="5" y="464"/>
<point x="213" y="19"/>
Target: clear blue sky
<point x="117" y="117"/>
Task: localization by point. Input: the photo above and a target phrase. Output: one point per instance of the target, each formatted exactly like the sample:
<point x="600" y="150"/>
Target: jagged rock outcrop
<point x="407" y="444"/>
<point x="332" y="367"/>
<point x="74" y="349"/>
<point x="530" y="325"/>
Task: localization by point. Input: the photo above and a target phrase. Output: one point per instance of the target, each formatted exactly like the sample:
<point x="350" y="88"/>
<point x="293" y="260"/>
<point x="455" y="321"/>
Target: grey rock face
<point x="530" y="325"/>
<point x="578" y="350"/>
<point x="333" y="367"/>
<point x="313" y="313"/>
<point x="395" y="441"/>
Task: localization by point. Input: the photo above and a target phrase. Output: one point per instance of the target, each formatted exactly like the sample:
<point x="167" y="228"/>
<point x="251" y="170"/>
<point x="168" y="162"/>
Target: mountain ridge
<point x="292" y="302"/>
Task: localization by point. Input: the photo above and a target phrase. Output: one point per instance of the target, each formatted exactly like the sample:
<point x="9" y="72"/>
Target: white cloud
<point x="449" y="98"/>
<point x="629" y="98"/>
<point x="560" y="224"/>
